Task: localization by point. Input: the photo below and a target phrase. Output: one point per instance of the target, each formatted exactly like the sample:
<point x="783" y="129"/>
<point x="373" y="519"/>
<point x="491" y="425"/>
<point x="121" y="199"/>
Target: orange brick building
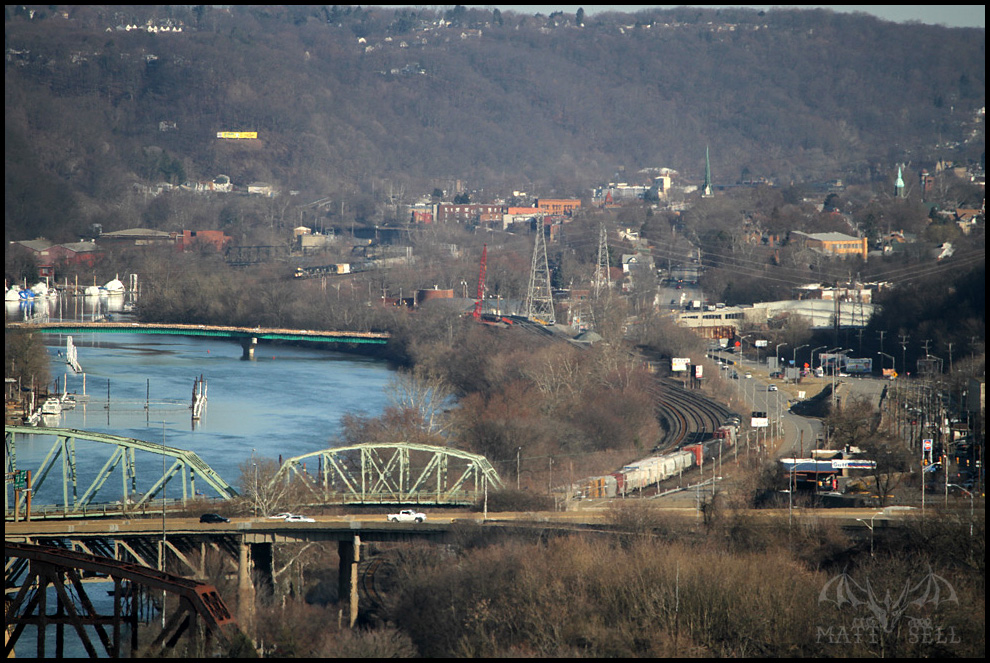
<point x="558" y="205"/>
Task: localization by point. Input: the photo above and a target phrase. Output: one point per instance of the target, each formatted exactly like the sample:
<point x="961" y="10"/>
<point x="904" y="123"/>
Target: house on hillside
<point x="49" y="256"/>
<point x="967" y="219"/>
<point x="261" y="189"/>
<point x="563" y="206"/>
<point x="136" y="237"/>
<point x="834" y="244"/>
<point x="214" y="239"/>
<point x="487" y="213"/>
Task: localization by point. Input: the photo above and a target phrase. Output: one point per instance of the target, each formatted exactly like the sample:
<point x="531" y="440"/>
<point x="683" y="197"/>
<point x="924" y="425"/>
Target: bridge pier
<point x="248" y="344"/>
<point x="347" y="583"/>
<point x="245" y="588"/>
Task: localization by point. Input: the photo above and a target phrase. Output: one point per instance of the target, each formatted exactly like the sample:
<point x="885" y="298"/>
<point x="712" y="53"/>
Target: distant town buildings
<point x="833" y="244"/>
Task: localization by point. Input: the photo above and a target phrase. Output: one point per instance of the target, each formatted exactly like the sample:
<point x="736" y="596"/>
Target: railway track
<point x="686" y="416"/>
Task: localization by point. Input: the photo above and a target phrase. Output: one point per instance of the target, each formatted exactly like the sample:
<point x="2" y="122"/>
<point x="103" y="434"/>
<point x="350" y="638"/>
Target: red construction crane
<point x="481" y="283"/>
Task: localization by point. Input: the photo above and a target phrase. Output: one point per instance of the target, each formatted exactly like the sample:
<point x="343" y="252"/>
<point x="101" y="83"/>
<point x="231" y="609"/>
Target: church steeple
<point x="899" y="184"/>
<point x="706" y="190"/>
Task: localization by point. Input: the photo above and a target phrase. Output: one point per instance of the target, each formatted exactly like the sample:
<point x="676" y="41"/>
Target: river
<point x="286" y="402"/>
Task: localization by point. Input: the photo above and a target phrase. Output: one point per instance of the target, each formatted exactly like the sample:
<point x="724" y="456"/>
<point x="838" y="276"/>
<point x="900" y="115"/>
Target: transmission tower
<point x="539" y="298"/>
<point x="602" y="277"/>
<point x="480" y="303"/>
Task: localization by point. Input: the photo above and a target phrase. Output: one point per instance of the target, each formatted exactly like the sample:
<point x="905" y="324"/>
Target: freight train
<point x="654" y="469"/>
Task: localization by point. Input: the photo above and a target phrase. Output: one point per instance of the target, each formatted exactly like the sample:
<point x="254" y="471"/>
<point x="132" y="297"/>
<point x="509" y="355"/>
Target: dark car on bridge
<point x="213" y="518"/>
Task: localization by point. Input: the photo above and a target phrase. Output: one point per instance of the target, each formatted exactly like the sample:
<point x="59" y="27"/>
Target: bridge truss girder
<point x="397" y="473"/>
<point x="185" y="465"/>
<point x="198" y="603"/>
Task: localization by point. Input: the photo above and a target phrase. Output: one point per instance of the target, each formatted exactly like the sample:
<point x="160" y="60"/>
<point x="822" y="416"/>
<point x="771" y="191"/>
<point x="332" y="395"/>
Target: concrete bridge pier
<point x="255" y="564"/>
<point x="248" y="344"/>
<point x="245" y="588"/>
<point x="347" y="583"/>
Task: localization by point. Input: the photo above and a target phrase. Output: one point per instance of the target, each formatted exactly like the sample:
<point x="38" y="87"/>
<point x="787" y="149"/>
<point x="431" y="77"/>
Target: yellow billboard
<point x="237" y="134"/>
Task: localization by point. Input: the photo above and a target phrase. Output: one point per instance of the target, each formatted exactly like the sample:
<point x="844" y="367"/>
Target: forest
<point x="352" y="102"/>
<point x="371" y="108"/>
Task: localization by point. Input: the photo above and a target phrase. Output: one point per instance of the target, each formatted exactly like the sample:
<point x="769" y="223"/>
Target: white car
<point x="772" y="387"/>
<point x="406" y="516"/>
<point x="299" y="519"/>
<point x="281" y="516"/>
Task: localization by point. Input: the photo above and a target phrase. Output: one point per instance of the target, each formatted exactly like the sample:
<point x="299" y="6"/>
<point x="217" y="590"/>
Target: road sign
<point x="20" y="479"/>
<point x="928" y="444"/>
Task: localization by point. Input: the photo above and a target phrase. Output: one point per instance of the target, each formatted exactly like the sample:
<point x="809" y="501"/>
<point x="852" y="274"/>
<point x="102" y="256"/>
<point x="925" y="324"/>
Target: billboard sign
<point x="759" y="420"/>
<point x="831" y="359"/>
<point x="849" y="464"/>
<point x="679" y="363"/>
<point x="854" y="365"/>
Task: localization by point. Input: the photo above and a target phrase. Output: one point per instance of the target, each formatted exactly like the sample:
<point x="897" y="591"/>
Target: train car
<point x="652" y="470"/>
<point x="677" y="462"/>
<point x="620" y="482"/>
<point x="697" y="452"/>
<point x="597" y="487"/>
<point x="322" y="270"/>
<point x="713" y="449"/>
<point x="727" y="434"/>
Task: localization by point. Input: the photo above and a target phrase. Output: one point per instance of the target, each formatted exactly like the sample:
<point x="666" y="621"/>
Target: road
<point x="799" y="434"/>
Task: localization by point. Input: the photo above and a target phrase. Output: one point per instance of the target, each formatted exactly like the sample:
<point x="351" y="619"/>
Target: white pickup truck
<point x="406" y="516"/>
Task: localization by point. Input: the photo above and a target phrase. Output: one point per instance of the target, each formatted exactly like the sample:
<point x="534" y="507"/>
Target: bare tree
<point x="891" y="458"/>
<point x="426" y="393"/>
<point x="264" y="495"/>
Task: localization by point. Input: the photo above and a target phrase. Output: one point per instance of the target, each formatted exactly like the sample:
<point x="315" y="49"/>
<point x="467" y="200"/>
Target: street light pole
<point x="820" y="347"/>
<point x="893" y="362"/>
<point x="970" y="506"/>
<point x="518" y="450"/>
<point x="794" y="356"/>
<point x="870" y="525"/>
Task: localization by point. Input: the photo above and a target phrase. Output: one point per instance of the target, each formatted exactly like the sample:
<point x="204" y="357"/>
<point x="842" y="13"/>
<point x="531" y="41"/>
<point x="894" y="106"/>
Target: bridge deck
<point x="222" y="331"/>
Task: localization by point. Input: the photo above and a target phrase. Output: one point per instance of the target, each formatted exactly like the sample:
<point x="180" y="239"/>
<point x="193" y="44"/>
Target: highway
<point x="588" y="513"/>
<point x="799" y="434"/>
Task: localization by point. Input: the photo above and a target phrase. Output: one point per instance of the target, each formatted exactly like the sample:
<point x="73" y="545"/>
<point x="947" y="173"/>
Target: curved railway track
<point x="369" y="582"/>
<point x="686" y="416"/>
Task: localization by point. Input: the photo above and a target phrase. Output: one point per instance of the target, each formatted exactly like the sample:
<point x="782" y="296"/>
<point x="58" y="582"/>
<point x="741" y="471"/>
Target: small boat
<point x="51" y="406"/>
<point x="114" y="287"/>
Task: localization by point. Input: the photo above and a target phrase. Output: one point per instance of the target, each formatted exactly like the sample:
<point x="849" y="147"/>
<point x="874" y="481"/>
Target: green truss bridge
<point x="396" y="473"/>
<point x="64" y="486"/>
<point x="125" y="475"/>
<point x="247" y="336"/>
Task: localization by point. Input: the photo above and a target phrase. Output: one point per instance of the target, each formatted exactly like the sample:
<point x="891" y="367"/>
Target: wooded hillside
<point x="347" y="98"/>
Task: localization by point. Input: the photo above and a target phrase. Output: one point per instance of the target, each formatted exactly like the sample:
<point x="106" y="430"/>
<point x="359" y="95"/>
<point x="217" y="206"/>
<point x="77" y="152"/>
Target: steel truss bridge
<point x="80" y="493"/>
<point x="248" y="337"/>
<point x="399" y="473"/>
<point x="35" y="568"/>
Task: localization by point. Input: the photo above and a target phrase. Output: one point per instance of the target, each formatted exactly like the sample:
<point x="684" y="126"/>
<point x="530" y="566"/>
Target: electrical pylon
<point x="480" y="303"/>
<point x="539" y="297"/>
<point x="603" y="280"/>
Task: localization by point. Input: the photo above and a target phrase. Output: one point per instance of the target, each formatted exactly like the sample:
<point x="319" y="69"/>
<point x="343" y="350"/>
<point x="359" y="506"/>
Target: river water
<point x="286" y="402"/>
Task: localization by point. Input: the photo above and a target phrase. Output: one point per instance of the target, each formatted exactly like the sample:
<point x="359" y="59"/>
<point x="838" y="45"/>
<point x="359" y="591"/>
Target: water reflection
<point x="289" y="401"/>
<point x="58" y="306"/>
